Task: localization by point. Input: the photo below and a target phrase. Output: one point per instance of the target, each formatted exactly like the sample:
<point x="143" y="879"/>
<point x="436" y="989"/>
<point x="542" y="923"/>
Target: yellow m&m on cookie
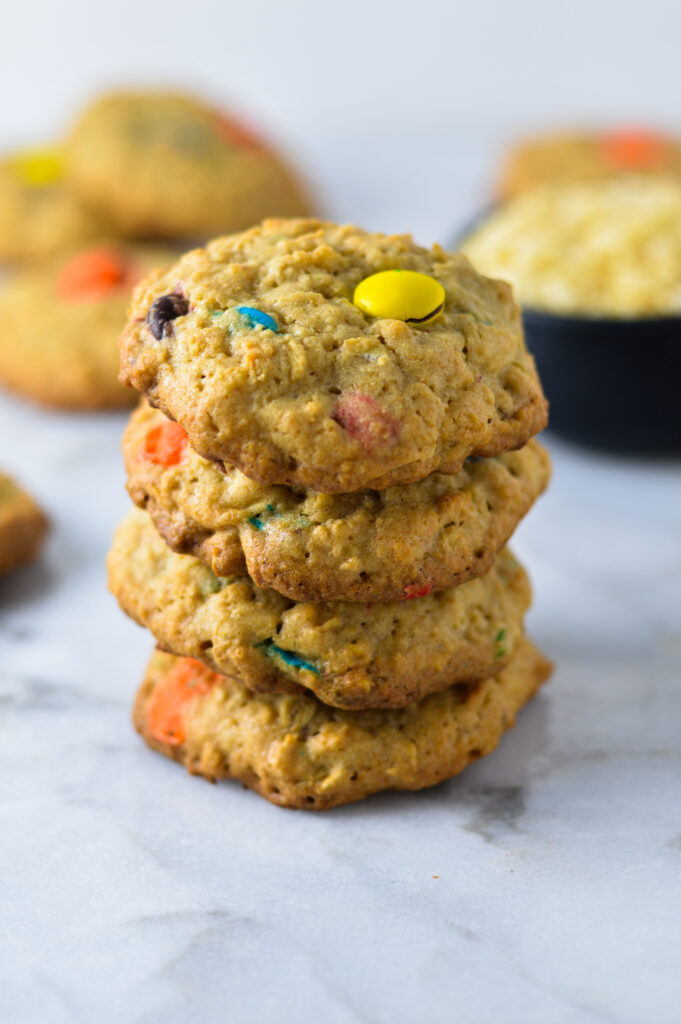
<point x="400" y="295"/>
<point x="38" y="167"/>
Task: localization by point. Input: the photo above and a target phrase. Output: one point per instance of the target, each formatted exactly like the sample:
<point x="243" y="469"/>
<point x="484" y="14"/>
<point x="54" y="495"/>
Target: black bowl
<point x="614" y="384"/>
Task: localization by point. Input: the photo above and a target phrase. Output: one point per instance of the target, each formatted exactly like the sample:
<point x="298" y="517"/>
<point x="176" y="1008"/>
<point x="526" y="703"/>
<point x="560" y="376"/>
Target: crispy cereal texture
<point x="22" y="526"/>
<point x="297" y="752"/>
<point x="363" y="546"/>
<point x="610" y="247"/>
<point x="350" y="655"/>
<point x="334" y="399"/>
<point x="164" y="165"/>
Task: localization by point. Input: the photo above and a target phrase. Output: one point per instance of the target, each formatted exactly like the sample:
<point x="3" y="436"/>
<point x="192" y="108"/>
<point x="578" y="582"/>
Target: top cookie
<point x="255" y="346"/>
<point x="586" y="156"/>
<point x="164" y="165"/>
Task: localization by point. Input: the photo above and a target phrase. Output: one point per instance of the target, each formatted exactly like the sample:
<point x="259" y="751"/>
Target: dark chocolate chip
<point x="164" y="310"/>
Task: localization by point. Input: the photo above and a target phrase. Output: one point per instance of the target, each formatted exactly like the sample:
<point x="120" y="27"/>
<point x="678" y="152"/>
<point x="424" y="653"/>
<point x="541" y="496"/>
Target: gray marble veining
<point x="542" y="884"/>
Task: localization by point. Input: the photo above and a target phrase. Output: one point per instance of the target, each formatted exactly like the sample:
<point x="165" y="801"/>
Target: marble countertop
<point x="544" y="884"/>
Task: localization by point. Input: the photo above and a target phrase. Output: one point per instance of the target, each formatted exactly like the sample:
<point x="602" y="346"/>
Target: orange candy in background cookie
<point x="237" y="133"/>
<point x="93" y="274"/>
<point x="634" y="149"/>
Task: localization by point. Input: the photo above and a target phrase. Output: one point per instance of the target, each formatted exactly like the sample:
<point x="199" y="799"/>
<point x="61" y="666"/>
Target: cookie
<point x="22" y="526"/>
<point x="163" y="165"/>
<point x="255" y="345"/>
<point x="362" y="546"/>
<point x="40" y="214"/>
<point x="297" y="752"/>
<point x="60" y="326"/>
<point x="350" y="655"/>
<point x="587" y="155"/>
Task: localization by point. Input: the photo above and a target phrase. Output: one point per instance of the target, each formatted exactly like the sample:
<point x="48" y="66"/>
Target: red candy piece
<point x="237" y="134"/>
<point x="171" y="700"/>
<point x="634" y="149"/>
<point x="165" y="445"/>
<point x="92" y="274"/>
<point x="414" y="590"/>
<point x="366" y="420"/>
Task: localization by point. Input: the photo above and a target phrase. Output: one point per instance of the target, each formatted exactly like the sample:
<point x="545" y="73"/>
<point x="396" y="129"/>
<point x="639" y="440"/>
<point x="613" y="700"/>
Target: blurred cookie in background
<point x="22" y="526"/>
<point x="40" y="213"/>
<point x="587" y="155"/>
<point x="61" y="322"/>
<point x="164" y="165"/>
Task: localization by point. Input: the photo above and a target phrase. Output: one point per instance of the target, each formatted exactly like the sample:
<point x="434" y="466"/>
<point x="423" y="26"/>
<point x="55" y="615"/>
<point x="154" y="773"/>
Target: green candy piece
<point x="288" y="657"/>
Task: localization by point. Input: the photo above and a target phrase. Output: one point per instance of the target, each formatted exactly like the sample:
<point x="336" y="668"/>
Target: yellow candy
<point x="38" y="167"/>
<point x="401" y="295"/>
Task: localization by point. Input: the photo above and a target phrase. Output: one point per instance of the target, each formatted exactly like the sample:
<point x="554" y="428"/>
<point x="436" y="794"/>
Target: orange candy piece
<point x="237" y="134"/>
<point x="634" y="149"/>
<point x="92" y="274"/>
<point x="170" y="702"/>
<point x="165" y="445"/>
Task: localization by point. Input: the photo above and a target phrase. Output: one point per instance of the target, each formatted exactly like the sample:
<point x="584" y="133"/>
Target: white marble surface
<point x="542" y="885"/>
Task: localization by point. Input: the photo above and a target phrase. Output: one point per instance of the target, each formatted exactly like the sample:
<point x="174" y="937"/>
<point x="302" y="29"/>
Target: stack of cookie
<point x="138" y="177"/>
<point x="326" y="477"/>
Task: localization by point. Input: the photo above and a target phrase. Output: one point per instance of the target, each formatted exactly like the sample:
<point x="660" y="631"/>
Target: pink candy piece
<point x="366" y="420"/>
<point x="417" y="590"/>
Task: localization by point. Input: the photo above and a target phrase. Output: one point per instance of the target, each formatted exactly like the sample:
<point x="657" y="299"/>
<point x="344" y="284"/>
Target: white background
<point x="366" y="94"/>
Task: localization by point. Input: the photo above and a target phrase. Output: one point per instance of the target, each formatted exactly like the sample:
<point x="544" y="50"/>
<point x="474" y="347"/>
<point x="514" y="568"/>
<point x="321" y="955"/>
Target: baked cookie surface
<point x="163" y="165"/>
<point x="40" y="214"/>
<point x="363" y="546"/>
<point x="255" y="346"/>
<point x="61" y="322"/>
<point x="587" y="156"/>
<point x="297" y="752"/>
<point x="22" y="526"/>
<point x="348" y="654"/>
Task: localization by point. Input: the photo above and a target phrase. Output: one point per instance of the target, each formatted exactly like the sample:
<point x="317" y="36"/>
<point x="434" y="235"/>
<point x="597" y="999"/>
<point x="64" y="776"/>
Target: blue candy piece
<point x="256" y="316"/>
<point x="288" y="657"/>
<point x="257" y="520"/>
